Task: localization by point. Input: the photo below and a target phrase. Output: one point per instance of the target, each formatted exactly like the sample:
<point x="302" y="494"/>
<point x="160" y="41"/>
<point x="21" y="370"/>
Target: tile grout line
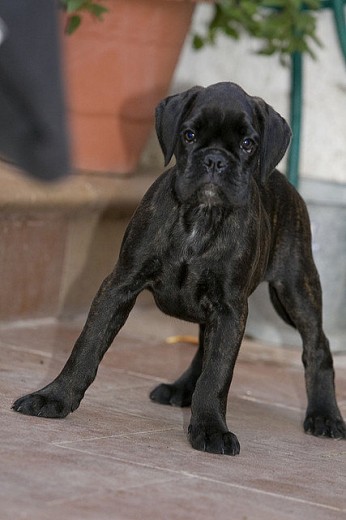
<point x="25" y="350"/>
<point x="270" y="403"/>
<point x="34" y="322"/>
<point x="50" y="355"/>
<point x="272" y="494"/>
<point x="209" y="479"/>
<point x="62" y="444"/>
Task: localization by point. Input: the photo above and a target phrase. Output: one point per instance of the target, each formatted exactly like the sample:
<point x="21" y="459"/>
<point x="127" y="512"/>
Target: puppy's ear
<point x="169" y="116"/>
<point x="275" y="138"/>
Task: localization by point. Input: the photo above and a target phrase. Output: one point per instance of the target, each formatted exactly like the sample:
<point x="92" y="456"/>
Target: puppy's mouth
<point x="210" y="194"/>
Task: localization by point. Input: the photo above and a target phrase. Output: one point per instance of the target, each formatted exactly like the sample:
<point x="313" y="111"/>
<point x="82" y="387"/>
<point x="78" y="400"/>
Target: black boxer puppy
<point x="206" y="233"/>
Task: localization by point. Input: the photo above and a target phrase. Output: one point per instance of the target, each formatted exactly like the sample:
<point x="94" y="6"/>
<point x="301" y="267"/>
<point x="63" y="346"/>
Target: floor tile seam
<point x="183" y="473"/>
<point x="272" y="494"/>
<point x="273" y="355"/>
<point x="27" y="350"/>
<point x="30" y="323"/>
<point x="51" y="356"/>
<point x="145" y="465"/>
<point x="116" y="387"/>
<point x="253" y="399"/>
<point x="133" y="373"/>
<point x="124" y="371"/>
<point x="62" y="444"/>
<point x="115" y="410"/>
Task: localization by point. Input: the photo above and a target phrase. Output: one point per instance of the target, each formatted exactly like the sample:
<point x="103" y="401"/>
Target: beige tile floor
<point x="121" y="457"/>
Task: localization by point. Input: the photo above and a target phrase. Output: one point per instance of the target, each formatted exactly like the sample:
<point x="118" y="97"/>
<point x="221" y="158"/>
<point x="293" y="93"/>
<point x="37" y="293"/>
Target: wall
<point x="324" y="128"/>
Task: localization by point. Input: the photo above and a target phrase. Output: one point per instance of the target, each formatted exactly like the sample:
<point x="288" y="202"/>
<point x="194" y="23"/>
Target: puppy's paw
<point x="325" y="426"/>
<point x="41" y="405"/>
<point x="174" y="395"/>
<point x="223" y="443"/>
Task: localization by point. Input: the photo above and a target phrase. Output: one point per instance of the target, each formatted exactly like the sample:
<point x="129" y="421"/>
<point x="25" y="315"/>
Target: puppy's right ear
<point x="169" y="116"/>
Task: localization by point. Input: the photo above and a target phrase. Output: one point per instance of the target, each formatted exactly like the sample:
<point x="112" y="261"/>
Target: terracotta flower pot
<point x="116" y="72"/>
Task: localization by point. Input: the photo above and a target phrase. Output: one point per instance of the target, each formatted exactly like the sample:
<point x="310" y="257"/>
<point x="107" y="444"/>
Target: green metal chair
<point x="337" y="7"/>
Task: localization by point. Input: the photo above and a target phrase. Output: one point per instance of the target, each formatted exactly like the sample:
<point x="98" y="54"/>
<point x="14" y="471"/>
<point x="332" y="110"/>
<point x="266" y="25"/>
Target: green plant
<point x="75" y="10"/>
<point x="283" y="26"/>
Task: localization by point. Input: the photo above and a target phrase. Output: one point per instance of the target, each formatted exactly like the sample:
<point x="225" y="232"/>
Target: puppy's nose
<point x="215" y="163"/>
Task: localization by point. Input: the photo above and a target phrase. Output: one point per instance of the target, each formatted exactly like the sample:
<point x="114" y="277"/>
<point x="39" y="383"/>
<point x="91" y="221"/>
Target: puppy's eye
<point x="189" y="136"/>
<point x="248" y="145"/>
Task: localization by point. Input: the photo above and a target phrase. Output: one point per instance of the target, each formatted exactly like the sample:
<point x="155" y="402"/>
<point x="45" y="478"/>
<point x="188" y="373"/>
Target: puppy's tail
<point x="279" y="307"/>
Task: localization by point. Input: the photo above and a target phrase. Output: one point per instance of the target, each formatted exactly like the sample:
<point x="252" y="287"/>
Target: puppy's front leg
<point x="108" y="313"/>
<point x="208" y="430"/>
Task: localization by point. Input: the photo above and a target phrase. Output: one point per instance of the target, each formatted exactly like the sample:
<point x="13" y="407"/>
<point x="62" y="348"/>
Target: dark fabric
<point x="33" y="130"/>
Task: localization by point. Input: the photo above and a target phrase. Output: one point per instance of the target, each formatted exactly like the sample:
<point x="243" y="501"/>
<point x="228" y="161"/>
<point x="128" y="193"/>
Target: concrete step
<point x="58" y="241"/>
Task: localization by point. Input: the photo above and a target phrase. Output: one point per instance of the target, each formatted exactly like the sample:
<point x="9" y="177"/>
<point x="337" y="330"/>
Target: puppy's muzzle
<point x="215" y="163"/>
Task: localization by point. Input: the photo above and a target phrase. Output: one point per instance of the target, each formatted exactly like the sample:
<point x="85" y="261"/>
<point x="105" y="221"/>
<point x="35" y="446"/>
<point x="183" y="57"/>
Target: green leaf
<point x="282" y="26"/>
<point x="275" y="4"/>
<point x="232" y="33"/>
<point x="74" y="5"/>
<point x="96" y="9"/>
<point x="197" y="42"/>
<point x="73" y="22"/>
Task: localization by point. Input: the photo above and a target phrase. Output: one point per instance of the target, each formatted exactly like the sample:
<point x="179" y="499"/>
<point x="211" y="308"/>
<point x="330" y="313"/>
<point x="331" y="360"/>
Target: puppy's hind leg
<point x="300" y="300"/>
<point x="180" y="392"/>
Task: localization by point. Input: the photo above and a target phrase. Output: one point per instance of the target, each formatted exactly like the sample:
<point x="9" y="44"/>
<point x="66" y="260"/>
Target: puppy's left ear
<point x="169" y="116"/>
<point x="275" y="138"/>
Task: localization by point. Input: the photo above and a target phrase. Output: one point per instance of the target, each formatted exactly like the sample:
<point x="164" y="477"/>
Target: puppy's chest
<point x="195" y="265"/>
<point x="178" y="291"/>
<point x="189" y="286"/>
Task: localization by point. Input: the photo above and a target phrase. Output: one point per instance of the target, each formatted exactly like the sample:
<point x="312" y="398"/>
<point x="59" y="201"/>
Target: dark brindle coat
<point x="206" y="233"/>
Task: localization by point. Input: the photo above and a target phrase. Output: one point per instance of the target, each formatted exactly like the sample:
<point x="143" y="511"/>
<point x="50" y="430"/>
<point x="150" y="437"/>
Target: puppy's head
<point x="221" y="138"/>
